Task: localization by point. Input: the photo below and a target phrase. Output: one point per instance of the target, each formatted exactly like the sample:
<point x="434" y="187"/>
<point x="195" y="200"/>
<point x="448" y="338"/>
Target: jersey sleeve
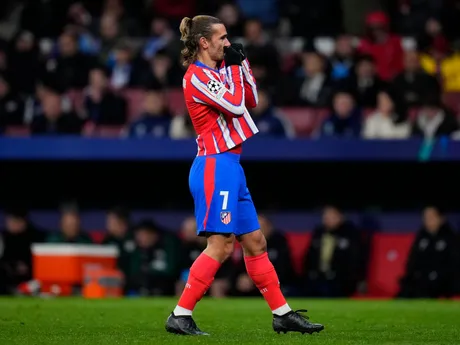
<point x="208" y="89"/>
<point x="250" y="86"/>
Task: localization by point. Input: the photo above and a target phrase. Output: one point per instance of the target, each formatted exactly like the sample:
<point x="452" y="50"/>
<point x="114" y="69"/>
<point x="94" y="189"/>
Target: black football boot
<point x="295" y="322"/>
<point x="182" y="325"/>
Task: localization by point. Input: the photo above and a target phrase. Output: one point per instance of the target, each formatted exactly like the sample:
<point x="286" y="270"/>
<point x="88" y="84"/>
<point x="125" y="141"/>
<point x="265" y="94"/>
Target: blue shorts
<point x="223" y="203"/>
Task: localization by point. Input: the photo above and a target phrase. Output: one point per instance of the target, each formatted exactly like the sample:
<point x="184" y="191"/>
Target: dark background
<point x="274" y="185"/>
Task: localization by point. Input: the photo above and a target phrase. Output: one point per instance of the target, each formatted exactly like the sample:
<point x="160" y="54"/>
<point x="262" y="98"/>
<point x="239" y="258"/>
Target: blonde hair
<point x="191" y="31"/>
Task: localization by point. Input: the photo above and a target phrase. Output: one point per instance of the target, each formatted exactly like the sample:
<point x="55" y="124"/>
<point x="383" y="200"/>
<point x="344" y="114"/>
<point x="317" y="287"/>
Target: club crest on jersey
<point x="226" y="217"/>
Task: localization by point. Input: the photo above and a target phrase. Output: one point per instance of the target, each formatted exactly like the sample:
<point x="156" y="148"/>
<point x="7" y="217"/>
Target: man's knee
<point x="220" y="246"/>
<point x="253" y="243"/>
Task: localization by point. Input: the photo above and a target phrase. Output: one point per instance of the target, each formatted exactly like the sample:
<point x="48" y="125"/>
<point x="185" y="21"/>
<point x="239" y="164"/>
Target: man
<point x="217" y="102"/>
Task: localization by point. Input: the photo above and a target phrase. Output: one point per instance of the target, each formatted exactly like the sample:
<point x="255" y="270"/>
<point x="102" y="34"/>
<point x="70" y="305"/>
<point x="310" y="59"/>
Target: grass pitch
<point x="26" y="321"/>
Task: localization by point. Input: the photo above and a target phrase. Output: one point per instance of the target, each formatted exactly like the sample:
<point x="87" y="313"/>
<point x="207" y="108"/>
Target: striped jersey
<point x="217" y="102"/>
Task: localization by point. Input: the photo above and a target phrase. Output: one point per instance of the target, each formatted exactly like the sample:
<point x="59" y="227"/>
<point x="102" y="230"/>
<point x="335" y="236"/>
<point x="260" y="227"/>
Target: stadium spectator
<point x="434" y="120"/>
<point x="155" y="121"/>
<point x="444" y="66"/>
<point x="54" y="119"/>
<point x="163" y="71"/>
<point x="332" y="266"/>
<point x="15" y="249"/>
<point x="110" y="37"/>
<point x="364" y="82"/>
<point x="11" y="104"/>
<point x="124" y="72"/>
<point x="192" y="246"/>
<point x="270" y="121"/>
<point x="119" y="234"/>
<point x="23" y="61"/>
<point x="389" y="119"/>
<point x="70" y="68"/>
<point x="181" y="127"/>
<point x="432" y="269"/>
<point x="265" y="11"/>
<point x="345" y="118"/>
<point x="230" y="15"/>
<point x="161" y="35"/>
<point x="311" y="85"/>
<point x="259" y="48"/>
<point x="155" y="261"/>
<point x="278" y="252"/>
<point x="433" y="38"/>
<point x="343" y="60"/>
<point x="383" y="46"/>
<point x="70" y="228"/>
<point x="102" y="106"/>
<point x="413" y="83"/>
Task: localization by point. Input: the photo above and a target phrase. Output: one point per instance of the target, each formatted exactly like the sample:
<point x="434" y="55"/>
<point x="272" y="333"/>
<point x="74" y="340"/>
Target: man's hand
<point x="240" y="49"/>
<point x="232" y="57"/>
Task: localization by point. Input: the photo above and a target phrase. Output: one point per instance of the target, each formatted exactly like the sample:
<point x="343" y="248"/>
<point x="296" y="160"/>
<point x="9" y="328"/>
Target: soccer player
<point x="218" y="88"/>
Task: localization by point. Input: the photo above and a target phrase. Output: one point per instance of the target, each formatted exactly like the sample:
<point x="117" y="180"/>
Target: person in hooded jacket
<point x="432" y="269"/>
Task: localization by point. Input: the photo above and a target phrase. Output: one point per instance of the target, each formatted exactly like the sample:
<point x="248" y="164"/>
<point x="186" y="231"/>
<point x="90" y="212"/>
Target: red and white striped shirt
<point x="217" y="102"/>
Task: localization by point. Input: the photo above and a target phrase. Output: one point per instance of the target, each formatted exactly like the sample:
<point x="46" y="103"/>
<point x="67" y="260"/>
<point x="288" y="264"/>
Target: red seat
<point x="367" y="112"/>
<point x="387" y="263"/>
<point x="412" y="114"/>
<point x="77" y="98"/>
<point x="17" y="131"/>
<point x="108" y="131"/>
<point x="135" y="102"/>
<point x="97" y="236"/>
<point x="452" y="101"/>
<point x="298" y="244"/>
<point x="303" y="119"/>
<point x="176" y="102"/>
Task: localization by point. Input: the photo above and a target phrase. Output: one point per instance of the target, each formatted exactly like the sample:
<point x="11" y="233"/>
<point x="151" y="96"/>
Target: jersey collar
<point x="202" y="65"/>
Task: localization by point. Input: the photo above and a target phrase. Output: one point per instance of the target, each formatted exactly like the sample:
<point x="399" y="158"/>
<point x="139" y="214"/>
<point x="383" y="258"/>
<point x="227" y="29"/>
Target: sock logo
<point x="264" y="290"/>
<point x="188" y="286"/>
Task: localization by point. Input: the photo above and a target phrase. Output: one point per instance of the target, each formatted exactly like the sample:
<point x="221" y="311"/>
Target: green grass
<point x="231" y="321"/>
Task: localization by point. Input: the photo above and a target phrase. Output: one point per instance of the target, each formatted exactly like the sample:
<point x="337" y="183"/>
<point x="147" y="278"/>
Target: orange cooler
<point x="65" y="263"/>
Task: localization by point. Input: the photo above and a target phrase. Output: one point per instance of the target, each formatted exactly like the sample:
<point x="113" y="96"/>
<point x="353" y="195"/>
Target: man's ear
<point x="203" y="42"/>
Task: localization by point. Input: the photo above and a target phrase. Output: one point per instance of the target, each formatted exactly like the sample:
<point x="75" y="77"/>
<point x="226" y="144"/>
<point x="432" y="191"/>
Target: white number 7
<point x="224" y="193"/>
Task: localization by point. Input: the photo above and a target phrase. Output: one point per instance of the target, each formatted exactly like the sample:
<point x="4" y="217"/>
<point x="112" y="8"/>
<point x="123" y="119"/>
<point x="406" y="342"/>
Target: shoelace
<point x="300" y="311"/>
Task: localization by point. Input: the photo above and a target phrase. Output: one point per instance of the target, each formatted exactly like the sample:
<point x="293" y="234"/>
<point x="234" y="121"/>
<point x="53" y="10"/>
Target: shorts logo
<point x="225" y="217"/>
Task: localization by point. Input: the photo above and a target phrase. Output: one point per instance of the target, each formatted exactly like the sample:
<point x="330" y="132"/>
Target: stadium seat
<point x="387" y="263"/>
<point x="176" y="101"/>
<point x="17" y="131"/>
<point x="303" y="119"/>
<point x="77" y="99"/>
<point x="412" y="114"/>
<point x="97" y="236"/>
<point x="452" y="101"/>
<point x="135" y="100"/>
<point x="367" y="112"/>
<point x="298" y="244"/>
<point x="108" y="131"/>
<point x="321" y="116"/>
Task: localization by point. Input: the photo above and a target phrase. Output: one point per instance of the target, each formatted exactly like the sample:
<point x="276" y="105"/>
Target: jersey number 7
<point x="224" y="193"/>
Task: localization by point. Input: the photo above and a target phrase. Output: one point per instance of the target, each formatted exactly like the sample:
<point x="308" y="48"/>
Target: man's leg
<point x="213" y="184"/>
<point x="201" y="276"/>
<point x="261" y="270"/>
<point x="202" y="272"/>
<point x="263" y="274"/>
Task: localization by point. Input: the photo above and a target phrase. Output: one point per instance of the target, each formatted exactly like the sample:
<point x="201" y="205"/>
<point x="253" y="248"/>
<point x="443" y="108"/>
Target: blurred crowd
<point x="155" y="261"/>
<point x="370" y="69"/>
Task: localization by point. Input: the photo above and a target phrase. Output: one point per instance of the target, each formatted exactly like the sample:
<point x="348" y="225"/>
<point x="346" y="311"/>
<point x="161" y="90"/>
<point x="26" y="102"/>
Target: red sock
<point x="199" y="280"/>
<point x="264" y="276"/>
